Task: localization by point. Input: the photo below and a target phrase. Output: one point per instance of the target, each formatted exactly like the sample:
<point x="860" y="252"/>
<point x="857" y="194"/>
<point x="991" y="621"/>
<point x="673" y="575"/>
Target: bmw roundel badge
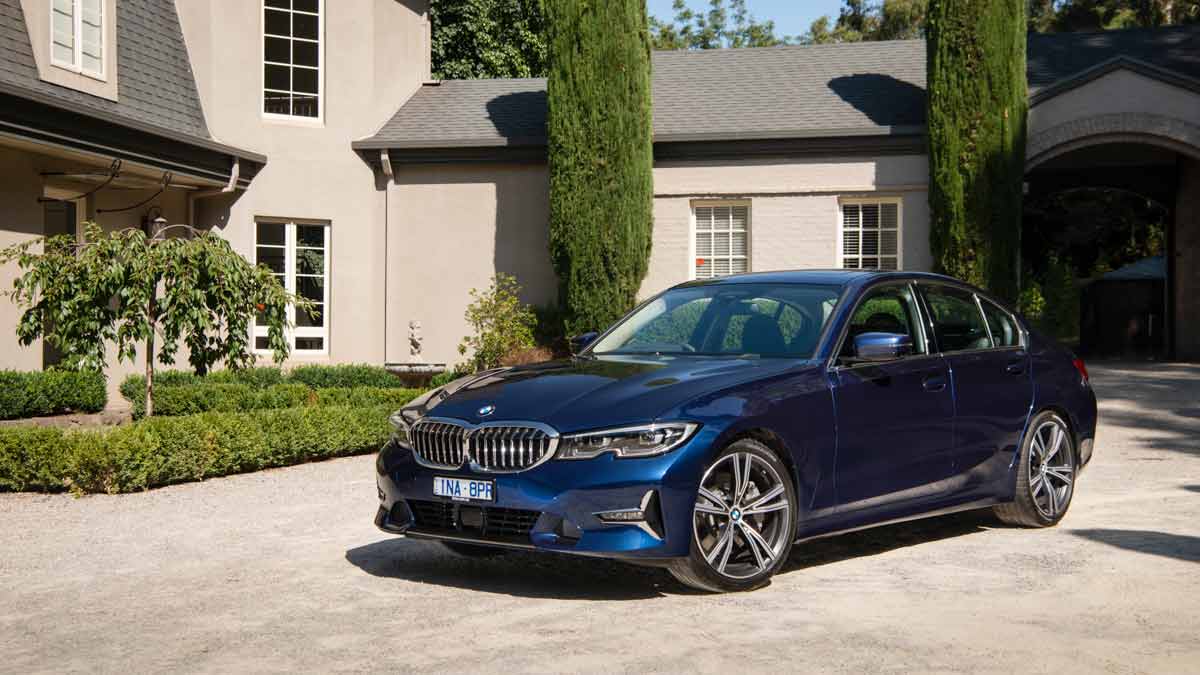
<point x="487" y="410"/>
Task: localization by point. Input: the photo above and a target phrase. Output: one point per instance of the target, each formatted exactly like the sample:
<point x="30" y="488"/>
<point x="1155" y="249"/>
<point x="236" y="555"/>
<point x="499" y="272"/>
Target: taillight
<point x="1082" y="368"/>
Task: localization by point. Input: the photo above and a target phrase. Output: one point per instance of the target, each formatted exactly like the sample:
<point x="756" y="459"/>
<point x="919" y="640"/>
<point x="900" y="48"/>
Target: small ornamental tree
<point x="977" y="105"/>
<point x="130" y="290"/>
<point x="502" y="323"/>
<point x="600" y="156"/>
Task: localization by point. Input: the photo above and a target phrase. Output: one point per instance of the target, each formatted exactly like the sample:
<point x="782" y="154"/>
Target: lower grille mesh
<point x="485" y="522"/>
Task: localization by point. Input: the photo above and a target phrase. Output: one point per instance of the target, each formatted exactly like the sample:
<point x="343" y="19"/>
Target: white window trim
<point x="702" y="203"/>
<point x="319" y="120"/>
<point x="77" y="28"/>
<point x="858" y="201"/>
<point x="289" y="278"/>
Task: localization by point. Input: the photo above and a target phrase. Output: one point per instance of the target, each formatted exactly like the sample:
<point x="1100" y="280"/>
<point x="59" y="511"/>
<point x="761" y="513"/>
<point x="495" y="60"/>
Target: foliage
<point x="346" y="375"/>
<point x="600" y="157"/>
<point x="1031" y="303"/>
<point x="502" y="324"/>
<point x="720" y="27"/>
<point x="860" y="21"/>
<point x="977" y="112"/>
<point x="1061" y="316"/>
<point x="126" y="288"/>
<point x="487" y="38"/>
<point x="161" y="451"/>
<point x="190" y="399"/>
<point x="52" y="392"/>
<point x="442" y="379"/>
<point x="1097" y="15"/>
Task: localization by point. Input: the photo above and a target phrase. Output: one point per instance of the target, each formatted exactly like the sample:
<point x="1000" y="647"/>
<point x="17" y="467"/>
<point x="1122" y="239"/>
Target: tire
<point x="473" y="550"/>
<point x="1045" y="476"/>
<point x="742" y="531"/>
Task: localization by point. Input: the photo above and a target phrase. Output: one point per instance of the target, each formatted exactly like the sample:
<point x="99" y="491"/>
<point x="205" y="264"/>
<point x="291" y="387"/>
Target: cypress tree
<point x="976" y="110"/>
<point x="600" y="156"/>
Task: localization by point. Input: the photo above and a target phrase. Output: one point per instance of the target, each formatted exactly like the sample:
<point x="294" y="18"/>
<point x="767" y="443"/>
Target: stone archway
<point x="1169" y="132"/>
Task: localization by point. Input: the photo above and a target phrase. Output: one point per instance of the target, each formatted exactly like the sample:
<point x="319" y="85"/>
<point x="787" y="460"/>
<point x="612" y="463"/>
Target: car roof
<point x="829" y="277"/>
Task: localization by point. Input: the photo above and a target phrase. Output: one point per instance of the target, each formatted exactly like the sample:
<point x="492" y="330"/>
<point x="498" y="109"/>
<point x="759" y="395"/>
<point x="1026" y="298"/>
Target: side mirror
<point x="878" y="347"/>
<point x="580" y="342"/>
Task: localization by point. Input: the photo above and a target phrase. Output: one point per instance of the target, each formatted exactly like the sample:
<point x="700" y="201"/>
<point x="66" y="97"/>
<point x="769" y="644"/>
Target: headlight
<point x="400" y="427"/>
<point x="640" y="441"/>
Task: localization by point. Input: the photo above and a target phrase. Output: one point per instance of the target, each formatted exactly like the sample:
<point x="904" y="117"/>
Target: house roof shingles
<point x="869" y="88"/>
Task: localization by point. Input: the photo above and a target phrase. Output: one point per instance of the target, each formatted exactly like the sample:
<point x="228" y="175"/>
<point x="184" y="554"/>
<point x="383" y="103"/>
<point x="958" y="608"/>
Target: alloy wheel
<point x="1051" y="468"/>
<point x="742" y="516"/>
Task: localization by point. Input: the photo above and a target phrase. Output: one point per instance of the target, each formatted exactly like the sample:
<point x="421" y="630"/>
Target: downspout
<point x="235" y="172"/>
<point x="385" y="162"/>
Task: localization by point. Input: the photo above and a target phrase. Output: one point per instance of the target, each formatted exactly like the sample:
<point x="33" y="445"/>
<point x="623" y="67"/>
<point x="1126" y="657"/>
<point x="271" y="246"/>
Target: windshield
<point x="767" y="320"/>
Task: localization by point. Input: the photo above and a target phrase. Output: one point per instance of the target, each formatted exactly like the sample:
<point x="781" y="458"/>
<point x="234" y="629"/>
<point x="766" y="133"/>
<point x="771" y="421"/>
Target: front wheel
<point x="1045" y="475"/>
<point x="743" y="523"/>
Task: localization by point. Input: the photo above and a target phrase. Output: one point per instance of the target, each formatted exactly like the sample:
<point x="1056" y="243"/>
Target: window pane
<point x="278" y="23"/>
<point x="271" y="257"/>
<point x="281" y="4"/>
<point x="310" y="343"/>
<point x="306" y="5"/>
<point x="310" y="235"/>
<point x="739" y="243"/>
<point x="890" y="214"/>
<point x="721" y="243"/>
<point x="304" y="106"/>
<point x="310" y="261"/>
<point x="704" y="216"/>
<point x="304" y="80"/>
<point x="305" y="26"/>
<point x="64" y="31"/>
<point x="271" y="233"/>
<point x="870" y="242"/>
<point x="315" y="319"/>
<point x="305" y="53"/>
<point x="850" y="215"/>
<point x="888" y="242"/>
<point x="277" y="50"/>
<point x="956" y="319"/>
<point x="278" y="77"/>
<point x="312" y="288"/>
<point x="261" y="343"/>
<point x="276" y="103"/>
<point x="850" y="242"/>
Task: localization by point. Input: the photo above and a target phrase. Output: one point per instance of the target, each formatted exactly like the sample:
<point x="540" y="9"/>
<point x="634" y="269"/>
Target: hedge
<point x="133" y="388"/>
<point x="165" y="450"/>
<point x="52" y="392"/>
<point x="190" y="399"/>
<point x="353" y="375"/>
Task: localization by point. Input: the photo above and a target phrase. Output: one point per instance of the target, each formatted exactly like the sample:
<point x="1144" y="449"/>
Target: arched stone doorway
<point x="1157" y="158"/>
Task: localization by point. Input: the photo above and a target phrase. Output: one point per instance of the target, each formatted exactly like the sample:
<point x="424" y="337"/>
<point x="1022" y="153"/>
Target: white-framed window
<point x="297" y="252"/>
<point x="77" y="36"/>
<point x="720" y="238"/>
<point x="869" y="236"/>
<point x="293" y="57"/>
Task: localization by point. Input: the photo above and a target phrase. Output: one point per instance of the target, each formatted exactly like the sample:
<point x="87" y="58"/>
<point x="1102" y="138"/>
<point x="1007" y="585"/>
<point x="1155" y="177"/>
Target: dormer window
<point x="292" y="54"/>
<point x="77" y="36"/>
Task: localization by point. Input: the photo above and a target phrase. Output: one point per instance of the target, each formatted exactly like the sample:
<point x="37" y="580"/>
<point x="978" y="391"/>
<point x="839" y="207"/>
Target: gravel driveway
<point x="283" y="570"/>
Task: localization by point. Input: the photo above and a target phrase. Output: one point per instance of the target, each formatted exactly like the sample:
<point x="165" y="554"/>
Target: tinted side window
<point x="891" y="309"/>
<point x="957" y="322"/>
<point x="1004" y="328"/>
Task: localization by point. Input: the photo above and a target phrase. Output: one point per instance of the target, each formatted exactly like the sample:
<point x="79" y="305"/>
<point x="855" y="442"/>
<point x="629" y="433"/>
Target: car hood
<point x="602" y="391"/>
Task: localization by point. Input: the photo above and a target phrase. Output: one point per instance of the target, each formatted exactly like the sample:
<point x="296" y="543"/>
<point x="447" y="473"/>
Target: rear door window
<point x="958" y="324"/>
<point x="1004" y="328"/>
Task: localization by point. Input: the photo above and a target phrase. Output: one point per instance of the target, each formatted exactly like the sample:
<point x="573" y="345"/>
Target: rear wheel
<point x="1045" y="475"/>
<point x="473" y="550"/>
<point x="743" y="523"/>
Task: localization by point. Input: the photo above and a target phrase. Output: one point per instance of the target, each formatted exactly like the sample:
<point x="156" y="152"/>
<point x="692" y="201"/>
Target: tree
<point x="502" y="324"/>
<point x="859" y="21"/>
<point x="487" y="38"/>
<point x="1096" y="15"/>
<point x="721" y="26"/>
<point x="977" y="104"/>
<point x="129" y="289"/>
<point x="600" y="156"/>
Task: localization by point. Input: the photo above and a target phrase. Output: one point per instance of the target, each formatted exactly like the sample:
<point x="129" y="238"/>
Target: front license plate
<point x="463" y="490"/>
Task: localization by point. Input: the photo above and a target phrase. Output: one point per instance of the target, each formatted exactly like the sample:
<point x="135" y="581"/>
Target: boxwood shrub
<point x="190" y="399"/>
<point x="52" y="392"/>
<point x="165" y="450"/>
<point x="353" y="375"/>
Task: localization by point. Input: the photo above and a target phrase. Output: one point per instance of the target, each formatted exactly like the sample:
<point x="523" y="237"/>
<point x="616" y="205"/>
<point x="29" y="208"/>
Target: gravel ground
<point x="283" y="570"/>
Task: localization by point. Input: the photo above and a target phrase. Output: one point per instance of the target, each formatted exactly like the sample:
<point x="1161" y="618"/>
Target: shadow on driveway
<point x="567" y="577"/>
<point x="1177" y="546"/>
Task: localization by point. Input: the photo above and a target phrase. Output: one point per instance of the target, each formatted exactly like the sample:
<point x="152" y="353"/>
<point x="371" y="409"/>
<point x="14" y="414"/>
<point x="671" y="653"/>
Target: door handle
<point x="934" y="383"/>
<point x="1017" y="368"/>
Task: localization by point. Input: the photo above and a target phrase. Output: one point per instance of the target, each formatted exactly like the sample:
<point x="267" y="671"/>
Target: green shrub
<point x="191" y="399"/>
<point x="165" y="450"/>
<point x="442" y="379"/>
<point x="352" y="375"/>
<point x="52" y="392"/>
<point x="502" y="323"/>
<point x="365" y="397"/>
<point x="255" y="377"/>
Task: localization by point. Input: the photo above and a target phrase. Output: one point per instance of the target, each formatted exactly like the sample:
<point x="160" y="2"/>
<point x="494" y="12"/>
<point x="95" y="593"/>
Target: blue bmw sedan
<point x="722" y="421"/>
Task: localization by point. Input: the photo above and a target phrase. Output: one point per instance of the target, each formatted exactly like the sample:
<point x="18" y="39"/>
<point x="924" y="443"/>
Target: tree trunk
<point x="150" y="309"/>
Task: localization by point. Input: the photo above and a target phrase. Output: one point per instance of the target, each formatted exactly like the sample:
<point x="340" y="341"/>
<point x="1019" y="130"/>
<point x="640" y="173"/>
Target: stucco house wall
<point x="452" y="226"/>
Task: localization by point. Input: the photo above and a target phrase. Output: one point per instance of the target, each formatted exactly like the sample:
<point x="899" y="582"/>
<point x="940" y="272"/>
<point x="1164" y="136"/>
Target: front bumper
<point x="553" y="506"/>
